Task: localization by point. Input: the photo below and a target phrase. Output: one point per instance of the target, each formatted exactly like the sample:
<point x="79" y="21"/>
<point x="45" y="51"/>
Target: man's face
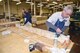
<point x="67" y="13"/>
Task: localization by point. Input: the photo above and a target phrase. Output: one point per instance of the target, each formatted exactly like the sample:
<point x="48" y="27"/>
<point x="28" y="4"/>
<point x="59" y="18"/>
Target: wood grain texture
<point x="14" y="42"/>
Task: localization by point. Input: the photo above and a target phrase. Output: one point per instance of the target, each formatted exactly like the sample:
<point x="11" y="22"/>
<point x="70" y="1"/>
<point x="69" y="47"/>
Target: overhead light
<point x="68" y="3"/>
<point x="28" y="2"/>
<point x="40" y="4"/>
<point x="44" y="2"/>
<point x="60" y="4"/>
<point x="0" y="0"/>
<point x="32" y="3"/>
<point x="47" y="0"/>
<point x="52" y="7"/>
<point x="18" y="3"/>
<point x="16" y="0"/>
<point x="47" y="5"/>
<point x="55" y="2"/>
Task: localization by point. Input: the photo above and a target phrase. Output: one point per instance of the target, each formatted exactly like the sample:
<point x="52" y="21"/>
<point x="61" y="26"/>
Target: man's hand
<point x="58" y="30"/>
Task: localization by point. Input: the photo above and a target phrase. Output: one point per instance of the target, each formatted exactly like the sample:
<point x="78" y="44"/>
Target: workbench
<point x="8" y="23"/>
<point x="15" y="41"/>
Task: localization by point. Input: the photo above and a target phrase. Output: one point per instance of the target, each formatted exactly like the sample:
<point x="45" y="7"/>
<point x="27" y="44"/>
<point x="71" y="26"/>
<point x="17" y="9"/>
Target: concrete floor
<point x="75" y="38"/>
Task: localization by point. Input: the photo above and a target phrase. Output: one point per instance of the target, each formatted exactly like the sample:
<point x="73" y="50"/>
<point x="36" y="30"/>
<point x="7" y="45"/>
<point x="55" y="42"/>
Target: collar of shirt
<point x="62" y="18"/>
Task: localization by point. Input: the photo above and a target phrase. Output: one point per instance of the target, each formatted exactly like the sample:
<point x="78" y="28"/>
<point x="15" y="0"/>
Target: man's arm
<point x="50" y="25"/>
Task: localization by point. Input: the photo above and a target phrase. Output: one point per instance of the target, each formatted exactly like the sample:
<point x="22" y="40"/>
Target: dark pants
<point x="28" y="20"/>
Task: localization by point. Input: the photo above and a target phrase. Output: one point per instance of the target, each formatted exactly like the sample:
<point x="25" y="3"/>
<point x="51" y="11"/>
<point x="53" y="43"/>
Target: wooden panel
<point x="14" y="42"/>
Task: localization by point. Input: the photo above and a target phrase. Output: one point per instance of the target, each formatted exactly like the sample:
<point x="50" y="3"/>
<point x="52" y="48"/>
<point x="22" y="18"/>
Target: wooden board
<point x="14" y="42"/>
<point x="8" y="23"/>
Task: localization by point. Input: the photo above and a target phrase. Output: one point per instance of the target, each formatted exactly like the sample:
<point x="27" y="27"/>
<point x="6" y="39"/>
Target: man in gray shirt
<point x="59" y="21"/>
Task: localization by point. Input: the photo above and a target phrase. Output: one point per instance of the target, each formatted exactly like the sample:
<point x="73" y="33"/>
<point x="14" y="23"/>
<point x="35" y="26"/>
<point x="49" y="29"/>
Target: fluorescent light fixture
<point x="47" y="0"/>
<point x="55" y="2"/>
<point x="18" y="3"/>
<point x="28" y="2"/>
<point x="40" y="4"/>
<point x="60" y="4"/>
<point x="47" y="5"/>
<point x="0" y="0"/>
<point x="16" y="0"/>
<point x="52" y="7"/>
<point x="32" y="3"/>
<point x="68" y="3"/>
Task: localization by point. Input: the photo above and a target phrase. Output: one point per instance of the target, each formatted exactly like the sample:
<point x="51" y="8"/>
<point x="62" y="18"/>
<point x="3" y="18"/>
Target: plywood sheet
<point x="14" y="42"/>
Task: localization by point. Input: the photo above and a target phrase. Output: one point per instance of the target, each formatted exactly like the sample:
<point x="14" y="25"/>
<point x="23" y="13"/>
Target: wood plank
<point x="14" y="43"/>
<point x="8" y="23"/>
